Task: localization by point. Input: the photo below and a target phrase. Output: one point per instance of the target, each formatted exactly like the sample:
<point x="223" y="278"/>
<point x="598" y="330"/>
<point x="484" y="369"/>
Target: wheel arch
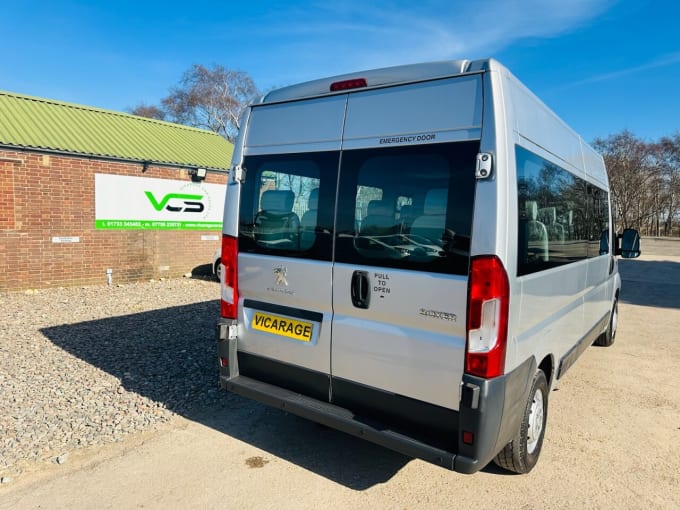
<point x="547" y="365"/>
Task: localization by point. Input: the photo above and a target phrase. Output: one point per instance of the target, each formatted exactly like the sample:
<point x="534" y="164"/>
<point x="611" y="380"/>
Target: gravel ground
<point x="88" y="366"/>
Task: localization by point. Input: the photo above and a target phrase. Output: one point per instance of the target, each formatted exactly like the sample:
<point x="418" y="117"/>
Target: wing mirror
<point x="628" y="244"/>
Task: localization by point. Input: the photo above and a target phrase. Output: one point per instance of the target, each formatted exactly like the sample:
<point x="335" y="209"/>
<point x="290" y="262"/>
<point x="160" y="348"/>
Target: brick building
<point x="85" y="190"/>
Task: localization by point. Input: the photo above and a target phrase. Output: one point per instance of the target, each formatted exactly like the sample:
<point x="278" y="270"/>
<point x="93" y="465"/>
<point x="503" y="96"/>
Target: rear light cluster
<point x="487" y="321"/>
<point x="354" y="83"/>
<point x="229" y="284"/>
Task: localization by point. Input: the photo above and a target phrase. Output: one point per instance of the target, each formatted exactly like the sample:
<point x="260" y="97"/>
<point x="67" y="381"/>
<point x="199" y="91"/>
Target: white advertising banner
<point x="131" y="203"/>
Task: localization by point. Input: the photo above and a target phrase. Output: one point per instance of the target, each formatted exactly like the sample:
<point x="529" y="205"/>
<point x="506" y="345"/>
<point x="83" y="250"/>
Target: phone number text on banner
<point x="157" y="225"/>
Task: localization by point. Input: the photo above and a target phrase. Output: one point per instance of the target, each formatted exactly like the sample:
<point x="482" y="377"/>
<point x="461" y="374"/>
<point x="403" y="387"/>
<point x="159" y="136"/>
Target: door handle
<point x="361" y="291"/>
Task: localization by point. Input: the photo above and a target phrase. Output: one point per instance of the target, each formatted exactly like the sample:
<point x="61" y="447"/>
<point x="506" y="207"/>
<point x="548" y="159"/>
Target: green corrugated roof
<point x="44" y="124"/>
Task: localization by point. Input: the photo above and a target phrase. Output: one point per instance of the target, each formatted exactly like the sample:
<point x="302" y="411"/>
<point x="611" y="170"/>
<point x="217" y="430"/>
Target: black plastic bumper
<point x="337" y="418"/>
<point x="490" y="409"/>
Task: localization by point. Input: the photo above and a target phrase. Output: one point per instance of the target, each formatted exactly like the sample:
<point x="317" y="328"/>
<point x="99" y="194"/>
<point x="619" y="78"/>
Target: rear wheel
<point x="607" y="338"/>
<point x="217" y="269"/>
<point x="521" y="454"/>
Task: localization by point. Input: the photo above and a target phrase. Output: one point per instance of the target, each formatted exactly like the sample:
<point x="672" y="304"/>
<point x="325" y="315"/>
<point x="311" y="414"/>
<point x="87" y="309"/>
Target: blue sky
<point x="602" y="65"/>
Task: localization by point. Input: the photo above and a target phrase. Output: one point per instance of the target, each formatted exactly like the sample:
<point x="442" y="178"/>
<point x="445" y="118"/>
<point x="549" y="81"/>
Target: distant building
<point x="85" y="191"/>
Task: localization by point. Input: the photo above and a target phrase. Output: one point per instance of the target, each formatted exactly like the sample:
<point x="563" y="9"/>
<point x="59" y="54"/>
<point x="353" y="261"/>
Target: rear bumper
<point x="338" y="418"/>
<point x="490" y="410"/>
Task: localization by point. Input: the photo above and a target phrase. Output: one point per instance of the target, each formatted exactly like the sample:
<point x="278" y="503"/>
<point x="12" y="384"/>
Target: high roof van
<point x="415" y="255"/>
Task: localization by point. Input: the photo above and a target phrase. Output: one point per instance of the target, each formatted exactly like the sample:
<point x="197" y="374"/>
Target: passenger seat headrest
<point x="532" y="210"/>
<point x="435" y="201"/>
<point x="313" y="200"/>
<point x="379" y="208"/>
<point x="277" y="201"/>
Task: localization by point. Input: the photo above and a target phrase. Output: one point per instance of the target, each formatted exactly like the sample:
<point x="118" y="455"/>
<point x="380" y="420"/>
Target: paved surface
<point x="613" y="441"/>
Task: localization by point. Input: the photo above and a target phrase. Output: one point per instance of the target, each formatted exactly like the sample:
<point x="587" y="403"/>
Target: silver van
<point x="415" y="255"/>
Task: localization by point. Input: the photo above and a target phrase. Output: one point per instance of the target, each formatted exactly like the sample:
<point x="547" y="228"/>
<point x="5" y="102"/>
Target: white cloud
<point x="335" y="37"/>
<point x="658" y="62"/>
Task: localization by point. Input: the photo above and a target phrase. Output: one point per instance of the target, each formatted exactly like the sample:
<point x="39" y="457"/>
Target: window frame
<point x="579" y="215"/>
<point x="326" y="166"/>
<point x="457" y="161"/>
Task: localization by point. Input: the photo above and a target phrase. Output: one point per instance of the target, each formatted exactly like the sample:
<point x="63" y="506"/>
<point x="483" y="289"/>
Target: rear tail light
<point x="229" y="285"/>
<point x="487" y="321"/>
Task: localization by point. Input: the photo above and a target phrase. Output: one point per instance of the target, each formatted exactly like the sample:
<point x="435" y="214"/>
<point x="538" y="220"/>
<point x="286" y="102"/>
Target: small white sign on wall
<point x="68" y="239"/>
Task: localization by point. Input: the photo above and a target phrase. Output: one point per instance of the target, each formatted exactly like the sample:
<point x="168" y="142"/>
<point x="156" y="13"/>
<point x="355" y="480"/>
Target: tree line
<point x="644" y="177"/>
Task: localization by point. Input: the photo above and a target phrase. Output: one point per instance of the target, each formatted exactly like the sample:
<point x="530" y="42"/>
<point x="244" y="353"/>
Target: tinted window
<point x="560" y="216"/>
<point x="598" y="215"/>
<point x="287" y="205"/>
<point x="407" y="207"/>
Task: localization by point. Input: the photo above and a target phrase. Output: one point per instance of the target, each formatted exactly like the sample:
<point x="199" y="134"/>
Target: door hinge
<point x="238" y="173"/>
<point x="484" y="167"/>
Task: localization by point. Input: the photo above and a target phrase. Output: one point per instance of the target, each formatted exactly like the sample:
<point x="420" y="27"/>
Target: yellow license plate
<point x="283" y="326"/>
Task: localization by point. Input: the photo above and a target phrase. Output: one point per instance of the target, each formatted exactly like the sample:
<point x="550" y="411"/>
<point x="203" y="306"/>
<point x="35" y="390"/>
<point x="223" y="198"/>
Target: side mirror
<point x="630" y="244"/>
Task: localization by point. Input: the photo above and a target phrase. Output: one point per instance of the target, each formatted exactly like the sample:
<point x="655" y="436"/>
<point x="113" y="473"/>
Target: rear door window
<point x="280" y="210"/>
<point x="407" y="207"/>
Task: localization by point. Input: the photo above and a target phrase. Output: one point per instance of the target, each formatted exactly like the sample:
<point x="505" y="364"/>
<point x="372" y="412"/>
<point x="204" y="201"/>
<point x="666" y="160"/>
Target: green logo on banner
<point x="190" y="203"/>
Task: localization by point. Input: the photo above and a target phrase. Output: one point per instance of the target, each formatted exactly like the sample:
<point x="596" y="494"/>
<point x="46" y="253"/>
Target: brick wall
<point x="44" y="196"/>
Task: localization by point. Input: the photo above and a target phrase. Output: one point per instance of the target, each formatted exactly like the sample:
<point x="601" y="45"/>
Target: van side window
<point x="560" y="216"/>
<point x="407" y="207"/>
<point x="281" y="211"/>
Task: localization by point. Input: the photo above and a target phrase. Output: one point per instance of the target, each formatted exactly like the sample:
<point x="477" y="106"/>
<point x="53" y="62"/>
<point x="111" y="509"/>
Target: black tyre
<point x="607" y="338"/>
<point x="521" y="454"/>
<point x="217" y="269"/>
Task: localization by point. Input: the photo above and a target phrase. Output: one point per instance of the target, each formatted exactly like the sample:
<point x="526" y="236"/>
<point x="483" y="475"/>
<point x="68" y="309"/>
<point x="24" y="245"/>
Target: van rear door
<point x="370" y="291"/>
<point x="291" y="157"/>
<point x="402" y="244"/>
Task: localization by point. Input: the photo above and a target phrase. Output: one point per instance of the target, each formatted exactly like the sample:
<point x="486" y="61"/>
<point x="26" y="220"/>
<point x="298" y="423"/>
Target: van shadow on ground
<point x="650" y="283"/>
<point x="169" y="356"/>
<point x="203" y="271"/>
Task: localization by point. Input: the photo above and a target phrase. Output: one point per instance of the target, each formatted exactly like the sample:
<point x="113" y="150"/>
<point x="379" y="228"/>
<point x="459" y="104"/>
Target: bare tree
<point x="148" y="111"/>
<point x="211" y="99"/>
<point x="668" y="153"/>
<point x="632" y="171"/>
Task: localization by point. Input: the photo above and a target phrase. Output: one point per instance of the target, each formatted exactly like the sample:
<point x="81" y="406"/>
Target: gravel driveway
<point x="88" y="366"/>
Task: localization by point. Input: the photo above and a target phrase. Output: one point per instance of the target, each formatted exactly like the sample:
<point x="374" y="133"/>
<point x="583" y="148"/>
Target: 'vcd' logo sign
<point x="190" y="203"/>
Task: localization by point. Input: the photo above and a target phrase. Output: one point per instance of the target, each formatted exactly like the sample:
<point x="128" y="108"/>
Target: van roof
<point x="384" y="76"/>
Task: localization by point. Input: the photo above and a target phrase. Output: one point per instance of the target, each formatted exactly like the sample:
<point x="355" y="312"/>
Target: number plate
<point x="283" y="326"/>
